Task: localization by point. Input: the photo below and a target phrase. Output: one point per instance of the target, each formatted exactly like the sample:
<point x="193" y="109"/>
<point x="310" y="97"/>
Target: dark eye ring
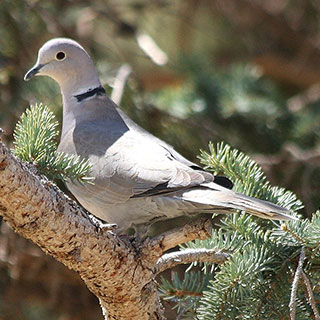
<point x="60" y="56"/>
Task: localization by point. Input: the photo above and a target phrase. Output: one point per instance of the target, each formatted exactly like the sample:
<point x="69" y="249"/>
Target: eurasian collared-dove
<point x="139" y="179"/>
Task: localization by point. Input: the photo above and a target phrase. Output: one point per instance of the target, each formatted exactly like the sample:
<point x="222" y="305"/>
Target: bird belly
<point x="132" y="212"/>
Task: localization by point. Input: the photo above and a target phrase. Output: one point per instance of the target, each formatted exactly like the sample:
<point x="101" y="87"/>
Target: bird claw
<point x="108" y="226"/>
<point x="101" y="224"/>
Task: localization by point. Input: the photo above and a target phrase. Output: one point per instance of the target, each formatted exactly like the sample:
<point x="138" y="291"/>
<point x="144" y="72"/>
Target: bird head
<point x="67" y="62"/>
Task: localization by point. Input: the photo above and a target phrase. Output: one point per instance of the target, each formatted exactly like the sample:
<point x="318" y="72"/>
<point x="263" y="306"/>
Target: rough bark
<point x="118" y="271"/>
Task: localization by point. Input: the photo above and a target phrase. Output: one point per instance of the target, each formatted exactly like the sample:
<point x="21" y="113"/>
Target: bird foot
<point x="101" y="224"/>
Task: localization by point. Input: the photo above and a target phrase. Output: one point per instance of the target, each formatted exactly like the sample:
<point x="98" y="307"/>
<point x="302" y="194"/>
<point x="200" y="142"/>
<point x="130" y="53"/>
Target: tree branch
<point x="293" y="298"/>
<point x="198" y="229"/>
<point x="111" y="269"/>
<point x="311" y="299"/>
<point x="118" y="272"/>
<point x="173" y="259"/>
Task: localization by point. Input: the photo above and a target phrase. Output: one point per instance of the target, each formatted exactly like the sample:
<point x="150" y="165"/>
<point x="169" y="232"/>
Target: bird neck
<point x="78" y="84"/>
<point x="89" y="106"/>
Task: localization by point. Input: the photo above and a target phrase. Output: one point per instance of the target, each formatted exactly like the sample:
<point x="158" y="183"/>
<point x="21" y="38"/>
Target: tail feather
<point x="262" y="208"/>
<point x="220" y="198"/>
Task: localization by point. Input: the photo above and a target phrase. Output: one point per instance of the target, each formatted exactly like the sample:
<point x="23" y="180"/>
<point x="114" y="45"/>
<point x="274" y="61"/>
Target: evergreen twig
<point x="172" y="259"/>
<point x="35" y="142"/>
<point x="293" y="298"/>
<point x="185" y="293"/>
<point x="246" y="174"/>
<point x="311" y="296"/>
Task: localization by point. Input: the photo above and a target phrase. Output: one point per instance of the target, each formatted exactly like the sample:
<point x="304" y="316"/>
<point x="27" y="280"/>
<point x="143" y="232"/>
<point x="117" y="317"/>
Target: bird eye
<point x="60" y="56"/>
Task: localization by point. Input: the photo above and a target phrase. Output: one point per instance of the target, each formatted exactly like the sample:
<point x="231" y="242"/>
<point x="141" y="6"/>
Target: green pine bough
<point x="35" y="141"/>
<point x="246" y="174"/>
<point x="257" y="281"/>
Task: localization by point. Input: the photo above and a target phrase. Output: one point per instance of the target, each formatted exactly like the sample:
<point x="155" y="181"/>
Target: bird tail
<point x="215" y="197"/>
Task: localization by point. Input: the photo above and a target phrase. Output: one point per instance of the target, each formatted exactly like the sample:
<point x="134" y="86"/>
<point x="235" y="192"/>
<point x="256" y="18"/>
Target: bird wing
<point x="132" y="165"/>
<point x="150" y="169"/>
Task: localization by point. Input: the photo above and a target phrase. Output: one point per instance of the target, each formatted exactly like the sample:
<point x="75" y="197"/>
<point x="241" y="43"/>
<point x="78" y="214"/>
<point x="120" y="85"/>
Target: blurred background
<point x="190" y="71"/>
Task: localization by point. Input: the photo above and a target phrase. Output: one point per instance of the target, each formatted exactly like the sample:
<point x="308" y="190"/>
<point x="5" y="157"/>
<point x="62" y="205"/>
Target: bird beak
<point x="33" y="71"/>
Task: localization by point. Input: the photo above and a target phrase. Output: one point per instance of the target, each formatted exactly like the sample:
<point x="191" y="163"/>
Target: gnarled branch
<point x="118" y="272"/>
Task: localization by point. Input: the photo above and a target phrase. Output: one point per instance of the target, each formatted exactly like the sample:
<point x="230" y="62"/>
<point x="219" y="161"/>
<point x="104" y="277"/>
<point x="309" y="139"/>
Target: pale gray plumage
<point x="139" y="178"/>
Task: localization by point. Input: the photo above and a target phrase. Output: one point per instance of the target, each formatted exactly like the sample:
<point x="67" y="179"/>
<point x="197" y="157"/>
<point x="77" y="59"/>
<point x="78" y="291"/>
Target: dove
<point x="138" y="178"/>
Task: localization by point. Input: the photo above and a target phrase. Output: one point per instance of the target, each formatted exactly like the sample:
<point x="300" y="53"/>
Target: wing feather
<point x="131" y="163"/>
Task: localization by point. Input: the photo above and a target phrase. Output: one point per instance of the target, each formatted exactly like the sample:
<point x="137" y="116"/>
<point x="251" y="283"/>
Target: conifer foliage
<point x="257" y="281"/>
<point x="35" y="142"/>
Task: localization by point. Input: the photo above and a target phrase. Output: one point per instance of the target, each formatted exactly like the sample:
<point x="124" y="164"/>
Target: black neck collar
<point x="91" y="92"/>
